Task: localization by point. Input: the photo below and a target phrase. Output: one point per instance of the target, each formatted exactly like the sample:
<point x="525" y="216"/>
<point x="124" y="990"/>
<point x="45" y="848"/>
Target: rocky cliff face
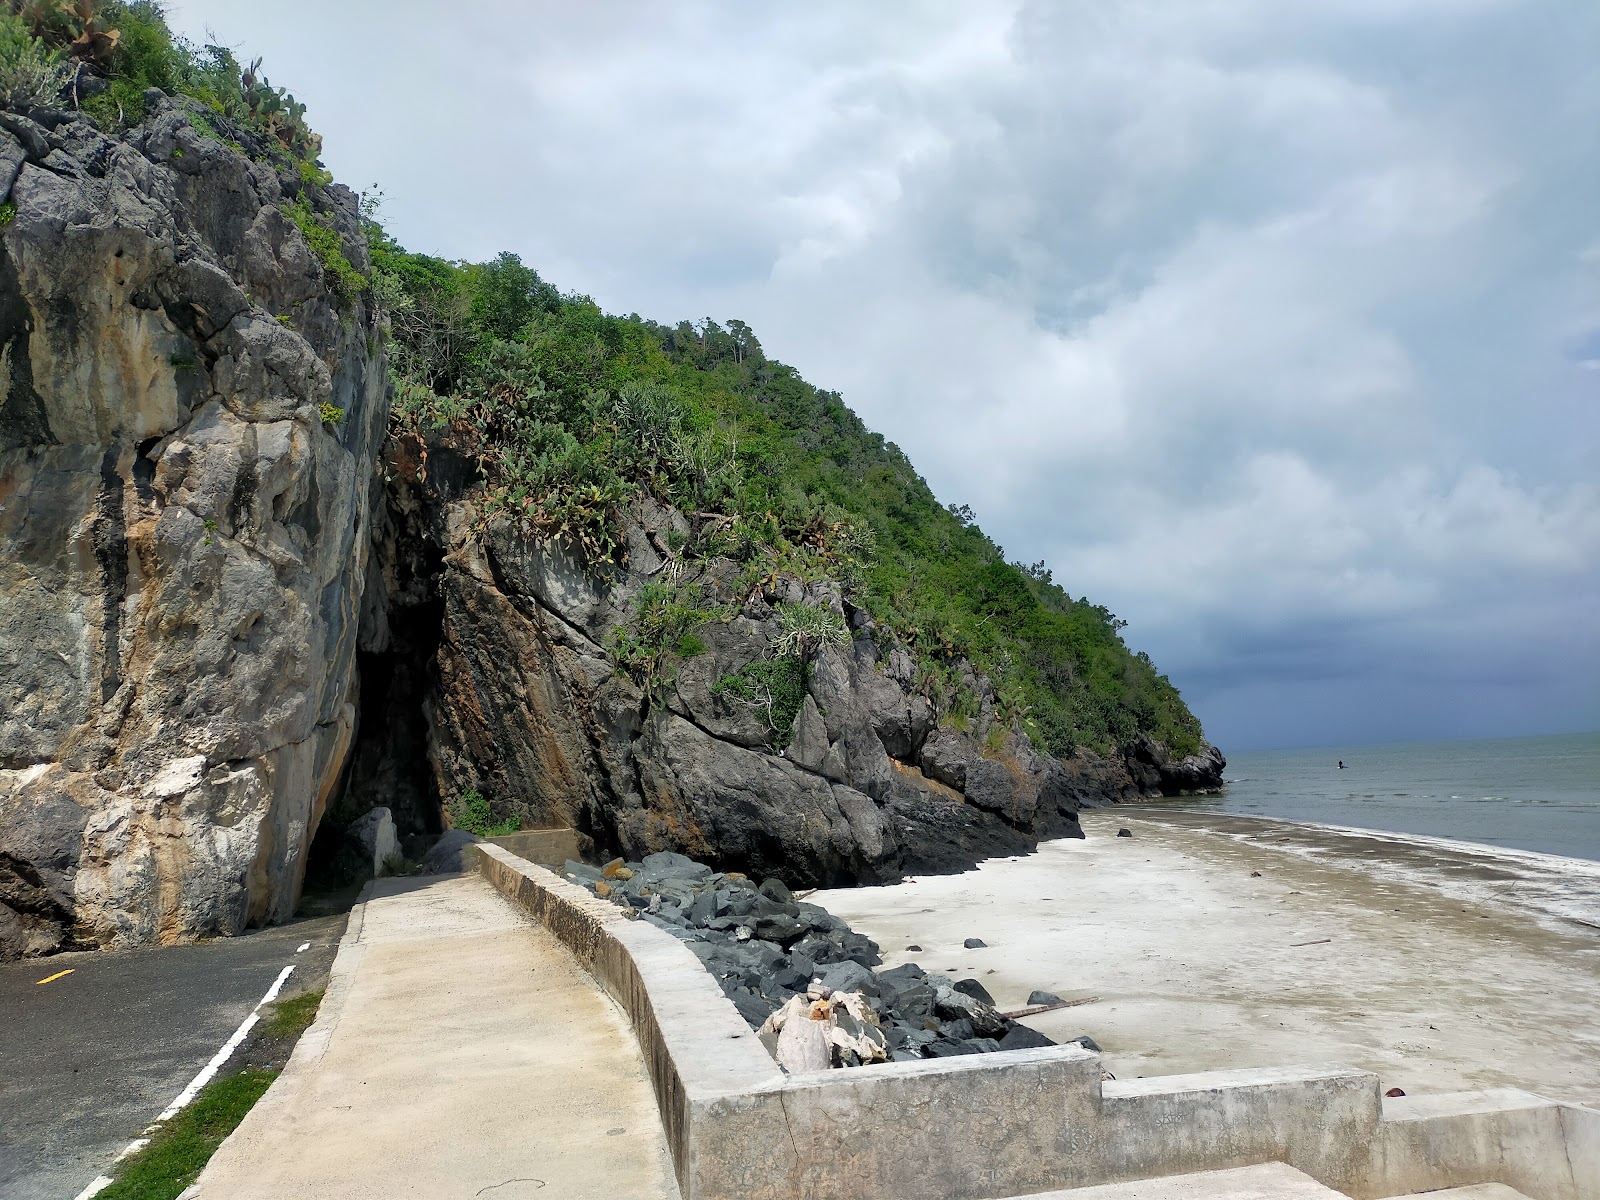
<point x="183" y="538"/>
<point x="201" y="580"/>
<point x="526" y="705"/>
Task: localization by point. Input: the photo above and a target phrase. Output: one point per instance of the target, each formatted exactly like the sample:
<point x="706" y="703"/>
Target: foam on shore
<point x="1212" y="941"/>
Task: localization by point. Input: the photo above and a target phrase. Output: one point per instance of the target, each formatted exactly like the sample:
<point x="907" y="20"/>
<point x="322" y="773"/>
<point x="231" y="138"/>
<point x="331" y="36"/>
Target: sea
<point x="1525" y="793"/>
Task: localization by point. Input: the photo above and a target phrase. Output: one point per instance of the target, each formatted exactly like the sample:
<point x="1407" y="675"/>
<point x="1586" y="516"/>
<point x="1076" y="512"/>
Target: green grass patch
<point x="470" y="811"/>
<point x="292" y="1017"/>
<point x="181" y="1148"/>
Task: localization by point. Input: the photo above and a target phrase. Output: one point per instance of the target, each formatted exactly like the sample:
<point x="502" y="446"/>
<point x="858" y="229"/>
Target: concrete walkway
<point x="460" y="1053"/>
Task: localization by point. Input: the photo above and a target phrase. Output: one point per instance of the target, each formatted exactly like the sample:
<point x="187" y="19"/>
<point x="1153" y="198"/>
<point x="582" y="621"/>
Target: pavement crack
<point x="508" y="1182"/>
<point x="794" y="1147"/>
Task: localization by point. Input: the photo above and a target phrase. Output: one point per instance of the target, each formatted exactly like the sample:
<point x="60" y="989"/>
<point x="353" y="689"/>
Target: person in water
<point x="1341" y="764"/>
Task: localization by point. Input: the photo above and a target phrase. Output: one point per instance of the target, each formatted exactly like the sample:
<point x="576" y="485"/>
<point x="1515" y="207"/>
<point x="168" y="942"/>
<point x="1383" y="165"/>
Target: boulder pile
<point x="800" y="975"/>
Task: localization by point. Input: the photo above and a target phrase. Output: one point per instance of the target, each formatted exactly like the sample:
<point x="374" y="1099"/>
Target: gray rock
<point x="809" y="746"/>
<point x="1038" y="997"/>
<point x="1087" y="1042"/>
<point x="821" y="948"/>
<point x="976" y="990"/>
<point x="668" y="865"/>
<point x="582" y="872"/>
<point x="850" y="977"/>
<point x="374" y="834"/>
<point x="944" y="1049"/>
<point x="752" y="1007"/>
<point x="776" y="890"/>
<point x="1020" y="1037"/>
<point x="974" y="944"/>
<point x="779" y="927"/>
<point x="704" y="907"/>
<point x="450" y="854"/>
<point x="953" y="1005"/>
<point x="1124" y="833"/>
<point x="992" y="786"/>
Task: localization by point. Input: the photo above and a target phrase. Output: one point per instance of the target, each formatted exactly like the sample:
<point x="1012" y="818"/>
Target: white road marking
<point x="277" y="984"/>
<point x="199" y="1081"/>
<point x="210" y="1069"/>
<point x="304" y="946"/>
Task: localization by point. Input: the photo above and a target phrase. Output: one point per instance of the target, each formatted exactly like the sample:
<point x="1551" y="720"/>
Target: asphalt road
<point x="89" y="1059"/>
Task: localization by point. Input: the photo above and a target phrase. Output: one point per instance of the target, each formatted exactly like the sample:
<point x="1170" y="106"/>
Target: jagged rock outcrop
<point x="183" y="539"/>
<point x="528" y="706"/>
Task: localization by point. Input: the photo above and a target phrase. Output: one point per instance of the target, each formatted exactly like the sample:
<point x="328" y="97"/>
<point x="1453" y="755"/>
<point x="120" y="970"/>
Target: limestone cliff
<point x="183" y="534"/>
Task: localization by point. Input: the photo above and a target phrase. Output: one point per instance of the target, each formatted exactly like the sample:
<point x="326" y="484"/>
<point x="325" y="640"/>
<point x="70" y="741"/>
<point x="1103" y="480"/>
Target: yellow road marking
<point x="58" y="975"/>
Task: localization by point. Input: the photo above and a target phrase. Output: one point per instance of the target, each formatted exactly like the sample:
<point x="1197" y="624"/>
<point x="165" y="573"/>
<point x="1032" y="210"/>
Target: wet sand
<point x="1440" y="966"/>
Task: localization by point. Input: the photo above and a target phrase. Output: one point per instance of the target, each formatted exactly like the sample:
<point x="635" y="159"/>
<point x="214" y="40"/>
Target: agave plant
<point x="92" y="42"/>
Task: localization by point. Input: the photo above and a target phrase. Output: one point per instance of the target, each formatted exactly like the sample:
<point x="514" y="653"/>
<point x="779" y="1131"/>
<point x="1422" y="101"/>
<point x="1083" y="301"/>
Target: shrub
<point x="325" y="243"/>
<point x="664" y="620"/>
<point x="806" y="628"/>
<point x="31" y="74"/>
<point x="470" y="811"/>
<point x="774" y="687"/>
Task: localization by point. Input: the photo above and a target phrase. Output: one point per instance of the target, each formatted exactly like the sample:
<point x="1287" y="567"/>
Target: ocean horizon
<point x="1538" y="793"/>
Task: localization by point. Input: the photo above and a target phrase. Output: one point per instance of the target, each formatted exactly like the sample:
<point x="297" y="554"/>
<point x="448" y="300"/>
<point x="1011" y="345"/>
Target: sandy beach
<point x="1209" y="941"/>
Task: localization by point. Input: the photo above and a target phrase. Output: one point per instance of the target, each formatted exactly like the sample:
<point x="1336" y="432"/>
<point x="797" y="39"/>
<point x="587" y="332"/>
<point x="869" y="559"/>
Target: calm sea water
<point x="1529" y="793"/>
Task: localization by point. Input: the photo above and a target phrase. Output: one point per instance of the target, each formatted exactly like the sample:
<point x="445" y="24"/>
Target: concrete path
<point x="460" y="1053"/>
<point x="89" y="1058"/>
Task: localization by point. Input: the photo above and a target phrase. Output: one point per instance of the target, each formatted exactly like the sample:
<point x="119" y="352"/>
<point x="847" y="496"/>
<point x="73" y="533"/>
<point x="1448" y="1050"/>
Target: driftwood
<point x="1318" y="942"/>
<point x="1035" y="1009"/>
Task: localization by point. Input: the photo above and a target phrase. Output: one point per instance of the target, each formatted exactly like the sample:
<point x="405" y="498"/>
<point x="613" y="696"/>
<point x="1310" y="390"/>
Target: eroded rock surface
<point x="528" y="706"/>
<point x="183" y="539"/>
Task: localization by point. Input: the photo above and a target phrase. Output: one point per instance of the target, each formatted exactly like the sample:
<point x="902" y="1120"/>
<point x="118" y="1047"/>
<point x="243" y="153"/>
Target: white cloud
<point x="1271" y="326"/>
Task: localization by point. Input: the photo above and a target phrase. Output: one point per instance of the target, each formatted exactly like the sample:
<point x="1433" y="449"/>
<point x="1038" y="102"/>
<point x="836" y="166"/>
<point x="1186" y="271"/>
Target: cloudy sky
<point x="1273" y="327"/>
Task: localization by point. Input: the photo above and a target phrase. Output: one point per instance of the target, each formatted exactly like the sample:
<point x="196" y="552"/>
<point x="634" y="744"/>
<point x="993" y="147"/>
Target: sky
<point x="1273" y="327"/>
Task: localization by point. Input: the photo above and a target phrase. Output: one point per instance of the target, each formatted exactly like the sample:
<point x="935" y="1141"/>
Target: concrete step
<point x="1478" y="1191"/>
<point x="1265" y="1181"/>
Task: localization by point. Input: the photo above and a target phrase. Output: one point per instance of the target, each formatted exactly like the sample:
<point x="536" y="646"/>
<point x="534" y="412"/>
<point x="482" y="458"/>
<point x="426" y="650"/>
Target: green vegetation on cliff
<point x="574" y="412"/>
<point x="101" y="55"/>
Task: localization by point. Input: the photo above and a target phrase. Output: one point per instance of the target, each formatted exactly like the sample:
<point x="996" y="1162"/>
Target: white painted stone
<point x="375" y="832"/>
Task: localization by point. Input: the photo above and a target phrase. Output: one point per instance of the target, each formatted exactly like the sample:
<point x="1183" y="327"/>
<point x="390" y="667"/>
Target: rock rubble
<point x="787" y="965"/>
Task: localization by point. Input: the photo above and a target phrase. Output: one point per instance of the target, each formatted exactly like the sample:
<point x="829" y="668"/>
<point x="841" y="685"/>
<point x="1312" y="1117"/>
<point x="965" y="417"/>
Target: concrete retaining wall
<point x="1497" y="1136"/>
<point x="547" y="847"/>
<point x="1014" y="1122"/>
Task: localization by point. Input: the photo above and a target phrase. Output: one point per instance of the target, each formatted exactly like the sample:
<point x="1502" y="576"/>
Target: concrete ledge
<point x="1317" y="1119"/>
<point x="1500" y="1135"/>
<point x="1016" y="1122"/>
